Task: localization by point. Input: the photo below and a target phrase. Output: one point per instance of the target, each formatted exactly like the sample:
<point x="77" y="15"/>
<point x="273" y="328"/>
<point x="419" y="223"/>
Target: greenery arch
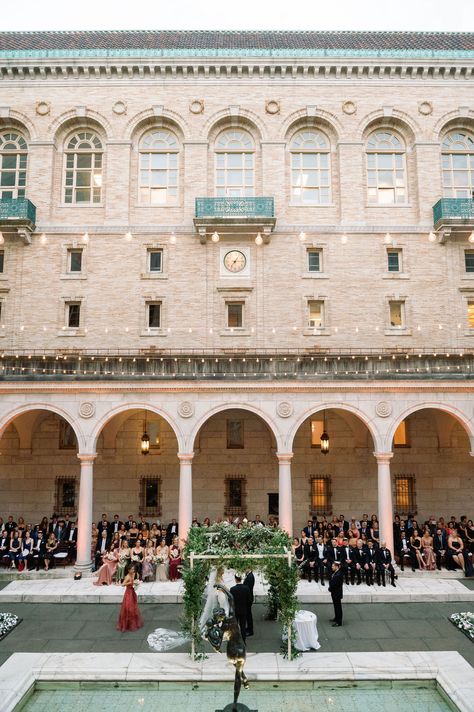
<point x="233" y="548"/>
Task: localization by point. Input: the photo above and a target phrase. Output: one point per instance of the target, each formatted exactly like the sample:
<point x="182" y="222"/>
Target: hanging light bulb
<point x="43" y="239"/>
<point x="215" y="237"/>
<point x="302" y="236"/>
<point x="258" y="239"/>
<point x="85" y="237"/>
<point x="388" y="238"/>
<point x="173" y="238"/>
<point x="344" y="238"/>
<point x="145" y="441"/>
<point x="128" y="236"/>
<point x="471" y="237"/>
<point x="324" y="437"/>
<point x="432" y="237"/>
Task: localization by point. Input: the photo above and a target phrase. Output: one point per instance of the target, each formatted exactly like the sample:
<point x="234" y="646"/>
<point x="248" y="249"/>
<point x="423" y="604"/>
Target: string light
<point x="172" y="239"/>
<point x="128" y="236"/>
<point x="85" y="237"/>
<point x="432" y="237"/>
<point x="258" y="239"/>
<point x="302" y="236"/>
<point x="388" y="238"/>
<point x="344" y="238"/>
<point x="215" y="237"/>
<point x="43" y="239"/>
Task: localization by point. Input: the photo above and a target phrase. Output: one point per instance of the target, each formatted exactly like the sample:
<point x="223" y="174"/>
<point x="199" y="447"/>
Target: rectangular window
<point x="320" y="495"/>
<point x="235" y="315"/>
<point x="396" y="309"/>
<point x="73" y="314"/>
<point x="2" y="261"/>
<point x="469" y="260"/>
<point x="405" y="496"/>
<point x="235" y="434"/>
<point x="235" y="497"/>
<point x="155" y="261"/>
<point x="65" y="499"/>
<point x="67" y="436"/>
<point x="394" y="260"/>
<point x="150" y="496"/>
<point x="74" y="258"/>
<point x="400" y="438"/>
<point x="315" y="314"/>
<point x="470" y="313"/>
<point x="317" y="427"/>
<point x="154" y="315"/>
<point x="314" y="260"/>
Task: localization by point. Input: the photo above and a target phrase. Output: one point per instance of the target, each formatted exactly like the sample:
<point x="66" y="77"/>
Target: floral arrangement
<point x="8" y="621"/>
<point x="465" y="623"/>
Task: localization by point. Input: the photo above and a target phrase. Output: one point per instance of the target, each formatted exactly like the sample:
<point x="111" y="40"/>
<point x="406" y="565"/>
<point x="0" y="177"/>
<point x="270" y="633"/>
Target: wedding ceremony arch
<point x="263" y="549"/>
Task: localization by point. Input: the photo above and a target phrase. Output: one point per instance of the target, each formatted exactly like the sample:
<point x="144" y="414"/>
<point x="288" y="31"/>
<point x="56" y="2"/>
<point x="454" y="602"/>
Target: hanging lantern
<point x="324" y="438"/>
<point x="145" y="441"/>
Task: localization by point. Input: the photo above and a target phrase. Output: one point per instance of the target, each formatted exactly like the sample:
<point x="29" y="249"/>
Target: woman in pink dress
<point x="129" y="617"/>
<point x="174" y="562"/>
<point x="108" y="568"/>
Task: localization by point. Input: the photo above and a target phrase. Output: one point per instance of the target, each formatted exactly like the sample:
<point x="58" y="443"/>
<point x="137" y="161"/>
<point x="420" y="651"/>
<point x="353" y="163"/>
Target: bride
<point x="214" y="597"/>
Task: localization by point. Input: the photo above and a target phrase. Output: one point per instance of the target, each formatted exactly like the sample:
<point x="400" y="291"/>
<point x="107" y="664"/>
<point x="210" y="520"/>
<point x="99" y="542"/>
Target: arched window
<point x="235" y="164"/>
<point x="83" y="169"/>
<point x="386" y="168"/>
<point x="310" y="168"/>
<point x="13" y="158"/>
<point x="457" y="160"/>
<point x="158" y="181"/>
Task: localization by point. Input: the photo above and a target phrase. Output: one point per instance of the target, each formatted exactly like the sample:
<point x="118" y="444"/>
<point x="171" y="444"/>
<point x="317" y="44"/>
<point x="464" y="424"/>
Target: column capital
<point x="185" y="456"/>
<point x="284" y="456"/>
<point x="383" y="456"/>
<point x="86" y="457"/>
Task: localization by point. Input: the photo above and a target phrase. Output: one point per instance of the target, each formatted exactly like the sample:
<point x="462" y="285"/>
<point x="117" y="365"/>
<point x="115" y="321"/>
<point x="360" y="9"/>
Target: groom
<point x="243" y="600"/>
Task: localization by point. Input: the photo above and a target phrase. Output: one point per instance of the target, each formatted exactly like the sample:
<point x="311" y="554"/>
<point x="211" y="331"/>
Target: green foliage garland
<point x="231" y="544"/>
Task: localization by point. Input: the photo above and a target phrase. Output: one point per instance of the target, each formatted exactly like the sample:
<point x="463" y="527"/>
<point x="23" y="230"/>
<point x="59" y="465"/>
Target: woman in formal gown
<point x="162" y="561"/>
<point x="415" y="544"/>
<point x="123" y="560"/>
<point x="455" y="547"/>
<point x="175" y="562"/>
<point x="215" y="598"/>
<point x="428" y="552"/>
<point x="149" y="568"/>
<point x="130" y="618"/>
<point x="107" y="571"/>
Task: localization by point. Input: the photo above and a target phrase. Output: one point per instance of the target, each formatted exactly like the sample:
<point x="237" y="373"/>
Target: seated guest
<point x="162" y="561"/>
<point x="10" y="526"/>
<point x="143" y="524"/>
<point x="51" y="547"/>
<point x="115" y="542"/>
<point x="43" y="525"/>
<point x="349" y="568"/>
<point x="415" y="545"/>
<point x="360" y="561"/>
<point x="206" y="522"/>
<point x="455" y="549"/>
<point x="124" y="557"/>
<point x="107" y="571"/>
<point x="375" y="532"/>
<point x="402" y="548"/>
<point x="129" y="522"/>
<point x="440" y="545"/>
<point x="101" y="547"/>
<point x="38" y="552"/>
<point x="4" y="544"/>
<point x="149" y="568"/>
<point x="15" y="548"/>
<point x="427" y="550"/>
<point x="171" y="531"/>
<point x="383" y="564"/>
<point x="365" y="529"/>
<point x="21" y="526"/>
<point x="133" y="533"/>
<point x="27" y="546"/>
<point x="370" y="553"/>
<point x="174" y="562"/>
<point x="155" y="534"/>
<point x="104" y="525"/>
<point x="116" y="524"/>
<point x="136" y="555"/>
<point x="71" y="539"/>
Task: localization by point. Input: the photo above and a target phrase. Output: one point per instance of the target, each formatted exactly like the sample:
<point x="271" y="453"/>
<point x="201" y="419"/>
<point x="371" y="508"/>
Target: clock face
<point x="235" y="261"/>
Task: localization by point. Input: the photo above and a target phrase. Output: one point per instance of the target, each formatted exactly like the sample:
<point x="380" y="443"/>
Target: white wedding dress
<point x="214" y="599"/>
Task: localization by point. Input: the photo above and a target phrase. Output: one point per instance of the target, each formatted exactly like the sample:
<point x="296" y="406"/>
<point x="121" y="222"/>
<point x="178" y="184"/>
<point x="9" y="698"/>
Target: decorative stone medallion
<point x="272" y="107"/>
<point x="186" y="409"/>
<point x="349" y="107"/>
<point x="86" y="409"/>
<point x="383" y="409"/>
<point x="43" y="108"/>
<point x="196" y="106"/>
<point x="425" y="108"/>
<point x="284" y="409"/>
<point x="119" y="108"/>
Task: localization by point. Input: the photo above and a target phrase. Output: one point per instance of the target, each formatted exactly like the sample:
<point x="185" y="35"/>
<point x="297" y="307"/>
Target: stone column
<point x="84" y="513"/>
<point x="385" y="505"/>
<point x="285" y="506"/>
<point x="185" y="514"/>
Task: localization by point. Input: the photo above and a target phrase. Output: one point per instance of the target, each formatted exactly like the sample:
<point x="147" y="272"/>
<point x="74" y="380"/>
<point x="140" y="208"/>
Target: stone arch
<point x="450" y="121"/>
<point x="226" y="119"/>
<point x="461" y="417"/>
<point x="322" y="119"/>
<point x="9" y="418"/>
<point x="70" y="120"/>
<point x="377" y="438"/>
<point x="147" y="119"/>
<point x="19" y="122"/>
<point x="398" y="120"/>
<point x="107" y="417"/>
<point x="191" y="439"/>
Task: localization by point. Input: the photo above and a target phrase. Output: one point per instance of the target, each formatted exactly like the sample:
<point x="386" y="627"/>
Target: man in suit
<point x="335" y="589"/>
<point x="249" y="581"/>
<point x="60" y="530"/>
<point x="402" y="548"/>
<point x="383" y="563"/>
<point x="116" y="524"/>
<point x="171" y="531"/>
<point x="308" y="530"/>
<point x="10" y="526"/>
<point x="365" y="529"/>
<point x="129" y="522"/>
<point x="349" y="561"/>
<point x="309" y="555"/>
<point x="243" y="602"/>
<point x="71" y="539"/>
<point x="102" y="545"/>
<point x="53" y="524"/>
<point x="103" y="525"/>
<point x="37" y="553"/>
<point x="258" y="522"/>
<point x="321" y="560"/>
<point x="360" y="560"/>
<point x="440" y="545"/>
<point x="370" y="566"/>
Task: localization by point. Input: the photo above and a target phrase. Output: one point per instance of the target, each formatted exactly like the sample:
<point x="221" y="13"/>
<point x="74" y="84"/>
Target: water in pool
<point x="409" y="696"/>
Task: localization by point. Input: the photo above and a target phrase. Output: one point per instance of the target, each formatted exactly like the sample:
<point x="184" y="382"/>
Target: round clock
<point x="235" y="261"/>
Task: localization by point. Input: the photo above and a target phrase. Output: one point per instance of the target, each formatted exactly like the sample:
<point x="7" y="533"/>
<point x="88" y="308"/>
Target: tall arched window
<point x="386" y="168"/>
<point x="158" y="181"/>
<point x="310" y="168"/>
<point x="457" y="160"/>
<point x="83" y="169"/>
<point x="13" y="158"/>
<point x="235" y="164"/>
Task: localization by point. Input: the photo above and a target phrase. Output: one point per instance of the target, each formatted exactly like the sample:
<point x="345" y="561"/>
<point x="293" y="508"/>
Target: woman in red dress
<point x="130" y="618"/>
<point x="174" y="562"/>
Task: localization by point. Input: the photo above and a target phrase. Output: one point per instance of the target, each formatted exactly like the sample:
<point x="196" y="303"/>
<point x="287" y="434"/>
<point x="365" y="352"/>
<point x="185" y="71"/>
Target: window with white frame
<point x="153" y="315"/>
<point x="158" y="172"/>
<point x="469" y="260"/>
<point x="13" y="160"/>
<point x="386" y="168"/>
<point x="310" y="168"/>
<point x="315" y="313"/>
<point x="74" y="260"/>
<point x="83" y="169"/>
<point x="396" y="314"/>
<point x="155" y="260"/>
<point x="315" y="262"/>
<point x="73" y="315"/>
<point x="235" y="164"/>
<point x="394" y="260"/>
<point x="470" y="313"/>
<point x="234" y="315"/>
<point x="457" y="161"/>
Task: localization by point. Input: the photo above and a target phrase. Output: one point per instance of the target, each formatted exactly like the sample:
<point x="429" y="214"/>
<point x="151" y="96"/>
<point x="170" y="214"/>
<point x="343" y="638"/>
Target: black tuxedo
<point x="440" y="543"/>
<point x="9" y="527"/>
<point x="350" y="563"/>
<point x="242" y="603"/>
<point x="99" y="551"/>
<point x="320" y="551"/>
<point x="171" y="531"/>
<point x="103" y="525"/>
<point x="336" y="591"/>
<point x="249" y="581"/>
<point x="383" y="563"/>
<point x="37" y="554"/>
<point x="402" y="547"/>
<point x="115" y="527"/>
<point x="309" y="566"/>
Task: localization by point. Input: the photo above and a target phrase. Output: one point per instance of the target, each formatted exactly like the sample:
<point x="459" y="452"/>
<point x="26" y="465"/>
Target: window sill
<point x="145" y="206"/>
<point x="401" y="331"/>
<point x="2" y="332"/>
<point x="235" y="332"/>
<point x="317" y="332"/>
<point x="314" y="275"/>
<point x="465" y="276"/>
<point x="71" y="332"/>
<point x="153" y="332"/>
<point x="4" y="277"/>
<point x="79" y="275"/>
<point x="81" y="205"/>
<point x="469" y="332"/>
<point x="311" y="205"/>
<point x="388" y="205"/>
<point x="152" y="275"/>
<point x="395" y="275"/>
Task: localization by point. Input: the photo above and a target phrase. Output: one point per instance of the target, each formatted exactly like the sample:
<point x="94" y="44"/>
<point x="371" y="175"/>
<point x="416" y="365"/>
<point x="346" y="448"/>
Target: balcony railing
<point x="18" y="212"/>
<point x="453" y="211"/>
<point x="235" y="207"/>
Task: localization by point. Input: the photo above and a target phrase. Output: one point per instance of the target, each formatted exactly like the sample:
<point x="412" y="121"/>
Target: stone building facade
<point x="235" y="241"/>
